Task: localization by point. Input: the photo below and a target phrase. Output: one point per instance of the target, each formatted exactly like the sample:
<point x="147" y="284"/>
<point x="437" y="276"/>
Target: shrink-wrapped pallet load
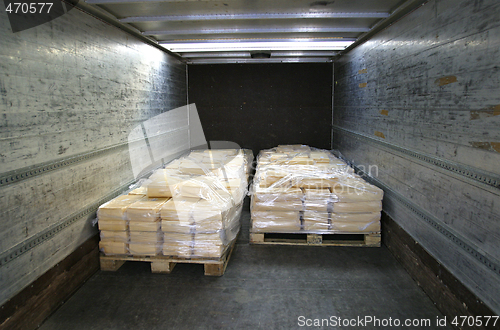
<point x="114" y="225"/>
<point x="188" y="209"/>
<point x="145" y="236"/>
<point x="275" y="221"/>
<point x="298" y="189"/>
<point x="200" y="227"/>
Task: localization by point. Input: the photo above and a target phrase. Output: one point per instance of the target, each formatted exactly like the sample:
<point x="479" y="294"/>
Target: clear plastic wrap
<point x="139" y="191"/>
<point x="190" y="208"/>
<point x="138" y="188"/>
<point x="144" y="248"/>
<point x="356" y="222"/>
<point x="114" y="236"/>
<point x="147" y="209"/>
<point x="146" y="236"/>
<point x="112" y="225"/>
<point x="359" y="207"/>
<point x="353" y="189"/>
<point x="219" y="174"/>
<point x="299" y="189"/>
<point x="111" y="215"/>
<point x="115" y="208"/>
<point x="319" y="200"/>
<point x="315" y="221"/>
<point x="271" y="221"/>
<point x="144" y="225"/>
<point x="162" y="183"/>
<point x="196" y="239"/>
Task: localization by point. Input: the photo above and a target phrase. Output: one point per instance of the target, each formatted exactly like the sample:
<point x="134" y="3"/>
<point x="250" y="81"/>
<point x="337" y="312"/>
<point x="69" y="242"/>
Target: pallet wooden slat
<point x="110" y="265"/>
<point x="162" y="267"/>
<point x="341" y="239"/>
<point x="165" y="264"/>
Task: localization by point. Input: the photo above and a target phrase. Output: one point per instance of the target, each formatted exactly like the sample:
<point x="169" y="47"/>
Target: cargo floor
<point x="268" y="287"/>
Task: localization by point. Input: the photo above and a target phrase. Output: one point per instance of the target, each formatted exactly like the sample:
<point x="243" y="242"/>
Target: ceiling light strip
<point x="259" y="40"/>
<point x="235" y="48"/>
<point x="247" y="46"/>
<point x="216" y="54"/>
<point x="307" y="53"/>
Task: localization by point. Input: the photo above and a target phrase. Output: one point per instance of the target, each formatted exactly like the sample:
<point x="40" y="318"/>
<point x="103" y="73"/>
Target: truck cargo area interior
<point x="235" y="164"/>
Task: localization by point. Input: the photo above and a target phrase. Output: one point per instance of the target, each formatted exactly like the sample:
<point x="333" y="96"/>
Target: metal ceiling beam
<point x="264" y="60"/>
<point x="257" y="30"/>
<point x="104" y="16"/>
<point x="247" y="54"/>
<point x="404" y="9"/>
<point x="210" y="17"/>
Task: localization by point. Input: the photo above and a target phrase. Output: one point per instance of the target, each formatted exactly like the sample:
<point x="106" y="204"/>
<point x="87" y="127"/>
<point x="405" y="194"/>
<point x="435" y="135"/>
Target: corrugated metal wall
<point x="421" y="101"/>
<point x="71" y="91"/>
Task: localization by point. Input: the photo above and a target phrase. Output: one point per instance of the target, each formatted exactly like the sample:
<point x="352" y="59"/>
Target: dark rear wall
<point x="260" y="106"/>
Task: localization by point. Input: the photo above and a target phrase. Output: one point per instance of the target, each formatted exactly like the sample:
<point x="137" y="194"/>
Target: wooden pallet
<point x="338" y="239"/>
<point x="165" y="264"/>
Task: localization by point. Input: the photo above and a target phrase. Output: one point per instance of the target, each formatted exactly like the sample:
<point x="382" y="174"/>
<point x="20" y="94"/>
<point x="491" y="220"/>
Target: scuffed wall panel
<point x="421" y="101"/>
<point x="71" y="92"/>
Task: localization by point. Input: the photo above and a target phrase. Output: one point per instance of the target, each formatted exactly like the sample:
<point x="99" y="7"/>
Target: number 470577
<point x="28" y="8"/>
<point x="471" y="321"/>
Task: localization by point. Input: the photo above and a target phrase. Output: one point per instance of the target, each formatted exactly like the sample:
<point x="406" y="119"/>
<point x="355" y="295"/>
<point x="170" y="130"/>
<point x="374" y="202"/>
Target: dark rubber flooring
<point x="264" y="287"/>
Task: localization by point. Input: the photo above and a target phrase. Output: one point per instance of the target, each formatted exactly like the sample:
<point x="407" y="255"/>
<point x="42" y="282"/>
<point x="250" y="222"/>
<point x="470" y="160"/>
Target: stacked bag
<point x="298" y="189"/>
<point x="191" y="208"/>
